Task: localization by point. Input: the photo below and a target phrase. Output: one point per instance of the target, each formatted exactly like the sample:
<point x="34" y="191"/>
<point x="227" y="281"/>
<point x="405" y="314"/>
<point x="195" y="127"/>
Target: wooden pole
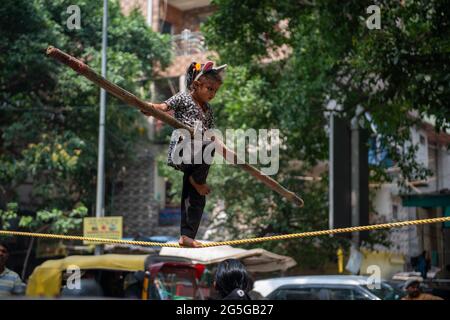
<point x="129" y="98"/>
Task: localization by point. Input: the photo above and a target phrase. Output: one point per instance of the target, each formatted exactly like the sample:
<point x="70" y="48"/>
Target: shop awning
<point x="427" y="200"/>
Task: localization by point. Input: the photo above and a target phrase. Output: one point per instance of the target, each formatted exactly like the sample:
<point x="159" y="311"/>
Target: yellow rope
<point x="232" y="242"/>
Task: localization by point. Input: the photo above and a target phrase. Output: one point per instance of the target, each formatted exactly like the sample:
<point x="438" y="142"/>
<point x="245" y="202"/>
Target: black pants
<point x="193" y="203"/>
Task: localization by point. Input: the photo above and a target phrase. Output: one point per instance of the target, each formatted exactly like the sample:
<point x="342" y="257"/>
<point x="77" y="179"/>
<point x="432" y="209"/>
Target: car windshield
<point x="385" y="291"/>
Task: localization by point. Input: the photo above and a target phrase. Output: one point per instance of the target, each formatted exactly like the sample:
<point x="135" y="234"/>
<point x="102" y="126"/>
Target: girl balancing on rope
<point x="192" y="108"/>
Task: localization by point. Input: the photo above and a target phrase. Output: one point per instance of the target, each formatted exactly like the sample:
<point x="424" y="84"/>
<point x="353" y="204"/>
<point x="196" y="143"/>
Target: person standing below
<point x="232" y="281"/>
<point x="412" y="286"/>
<point x="10" y="282"/>
<point x="423" y="265"/>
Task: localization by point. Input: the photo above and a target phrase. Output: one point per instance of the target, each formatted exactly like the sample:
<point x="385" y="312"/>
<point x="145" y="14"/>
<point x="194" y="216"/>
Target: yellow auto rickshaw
<point x="116" y="276"/>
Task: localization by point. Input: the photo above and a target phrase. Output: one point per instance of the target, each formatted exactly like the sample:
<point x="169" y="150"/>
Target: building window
<point x="170" y="215"/>
<point x="166" y="27"/>
<point x="395" y="212"/>
<point x="422" y="139"/>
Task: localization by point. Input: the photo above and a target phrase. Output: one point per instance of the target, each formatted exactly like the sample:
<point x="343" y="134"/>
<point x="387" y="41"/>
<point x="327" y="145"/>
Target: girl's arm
<point x="160" y="106"/>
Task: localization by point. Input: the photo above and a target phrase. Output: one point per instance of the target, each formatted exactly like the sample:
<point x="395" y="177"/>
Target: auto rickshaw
<point x="117" y="276"/>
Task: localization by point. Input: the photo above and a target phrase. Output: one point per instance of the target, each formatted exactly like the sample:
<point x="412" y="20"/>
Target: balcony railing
<point x="188" y="43"/>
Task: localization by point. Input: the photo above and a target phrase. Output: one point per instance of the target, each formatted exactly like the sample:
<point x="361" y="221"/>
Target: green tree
<point x="51" y="221"/>
<point x="391" y="73"/>
<point x="49" y="115"/>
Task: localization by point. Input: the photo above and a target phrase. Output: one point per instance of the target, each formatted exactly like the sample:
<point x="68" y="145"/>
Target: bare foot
<point x="185" y="241"/>
<point x="203" y="189"/>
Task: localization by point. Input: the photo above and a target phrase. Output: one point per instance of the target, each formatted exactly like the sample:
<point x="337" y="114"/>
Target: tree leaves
<point x="391" y="73"/>
<point x="56" y="221"/>
<point x="49" y="114"/>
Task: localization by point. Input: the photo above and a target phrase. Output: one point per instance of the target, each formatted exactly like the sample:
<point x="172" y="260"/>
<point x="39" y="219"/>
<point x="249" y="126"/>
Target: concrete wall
<point x="162" y="10"/>
<point x="388" y="204"/>
<point x="135" y="202"/>
<point x="142" y="195"/>
<point x="419" y="138"/>
<point x="128" y="5"/>
<point x="413" y="240"/>
<point x="388" y="263"/>
<point x="444" y="168"/>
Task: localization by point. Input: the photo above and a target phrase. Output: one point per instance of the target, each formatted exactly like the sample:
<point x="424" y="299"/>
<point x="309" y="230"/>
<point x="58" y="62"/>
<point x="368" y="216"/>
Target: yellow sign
<point x="105" y="228"/>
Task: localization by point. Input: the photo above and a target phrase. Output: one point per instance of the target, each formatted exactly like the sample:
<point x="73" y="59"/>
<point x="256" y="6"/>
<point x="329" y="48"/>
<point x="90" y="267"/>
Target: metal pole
<point x="331" y="222"/>
<point x="101" y="130"/>
<point x="355" y="171"/>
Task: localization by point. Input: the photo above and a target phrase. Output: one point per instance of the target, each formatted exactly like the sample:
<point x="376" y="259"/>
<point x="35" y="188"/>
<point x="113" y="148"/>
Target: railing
<point x="188" y="43"/>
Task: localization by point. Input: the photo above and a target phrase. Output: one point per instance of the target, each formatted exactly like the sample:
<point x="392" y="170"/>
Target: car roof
<point x="266" y="286"/>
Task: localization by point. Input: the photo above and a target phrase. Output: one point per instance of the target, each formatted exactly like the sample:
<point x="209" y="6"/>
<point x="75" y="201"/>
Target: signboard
<point x="105" y="228"/>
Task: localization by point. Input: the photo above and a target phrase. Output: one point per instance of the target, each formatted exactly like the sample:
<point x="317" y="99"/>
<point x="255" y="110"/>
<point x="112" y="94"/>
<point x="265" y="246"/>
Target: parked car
<point x="340" y="287"/>
<point x="117" y="276"/>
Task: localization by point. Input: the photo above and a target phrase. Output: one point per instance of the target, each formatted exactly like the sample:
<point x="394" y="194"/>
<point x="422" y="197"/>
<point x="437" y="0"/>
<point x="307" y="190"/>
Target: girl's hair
<point x="230" y="275"/>
<point x="191" y="73"/>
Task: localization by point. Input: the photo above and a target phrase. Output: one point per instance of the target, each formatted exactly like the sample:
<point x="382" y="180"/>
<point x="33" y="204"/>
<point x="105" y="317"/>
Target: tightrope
<point x="231" y="242"/>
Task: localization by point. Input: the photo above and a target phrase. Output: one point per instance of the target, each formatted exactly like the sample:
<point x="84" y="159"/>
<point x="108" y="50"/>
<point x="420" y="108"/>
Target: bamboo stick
<point x="129" y="98"/>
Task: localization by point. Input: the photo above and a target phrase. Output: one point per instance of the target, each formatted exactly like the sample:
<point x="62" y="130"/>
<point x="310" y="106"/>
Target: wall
<point x="419" y="138"/>
<point x="135" y="199"/>
<point x="128" y="5"/>
<point x="388" y="262"/>
<point x="384" y="201"/>
<point x="174" y="16"/>
<point x="444" y="168"/>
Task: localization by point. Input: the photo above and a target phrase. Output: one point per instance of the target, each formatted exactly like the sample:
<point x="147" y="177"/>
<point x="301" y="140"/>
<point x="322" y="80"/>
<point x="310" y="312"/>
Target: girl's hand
<point x="147" y="112"/>
<point x="158" y="106"/>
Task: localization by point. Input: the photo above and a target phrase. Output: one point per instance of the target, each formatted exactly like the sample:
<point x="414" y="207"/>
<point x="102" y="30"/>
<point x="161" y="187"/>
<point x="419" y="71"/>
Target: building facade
<point x="428" y="198"/>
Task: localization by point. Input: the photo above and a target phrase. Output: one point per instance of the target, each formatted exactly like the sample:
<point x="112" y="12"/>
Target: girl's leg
<point x="198" y="179"/>
<point x="192" y="201"/>
<point x="200" y="173"/>
<point x="184" y="227"/>
<point x="192" y="205"/>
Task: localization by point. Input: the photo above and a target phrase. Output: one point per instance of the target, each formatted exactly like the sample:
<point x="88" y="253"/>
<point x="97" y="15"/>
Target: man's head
<point x="412" y="287"/>
<point x="4" y="254"/>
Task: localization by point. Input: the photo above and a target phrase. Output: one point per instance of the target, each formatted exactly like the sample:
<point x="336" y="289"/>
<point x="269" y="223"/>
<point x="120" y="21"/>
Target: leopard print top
<point x="188" y="112"/>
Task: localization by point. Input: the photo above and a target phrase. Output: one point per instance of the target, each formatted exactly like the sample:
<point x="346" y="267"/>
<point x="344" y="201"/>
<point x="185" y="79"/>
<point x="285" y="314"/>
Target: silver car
<point x="340" y="287"/>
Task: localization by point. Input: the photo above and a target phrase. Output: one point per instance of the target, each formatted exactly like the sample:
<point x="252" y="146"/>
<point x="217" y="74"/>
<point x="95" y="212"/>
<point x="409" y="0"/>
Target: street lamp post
<point x="99" y="209"/>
